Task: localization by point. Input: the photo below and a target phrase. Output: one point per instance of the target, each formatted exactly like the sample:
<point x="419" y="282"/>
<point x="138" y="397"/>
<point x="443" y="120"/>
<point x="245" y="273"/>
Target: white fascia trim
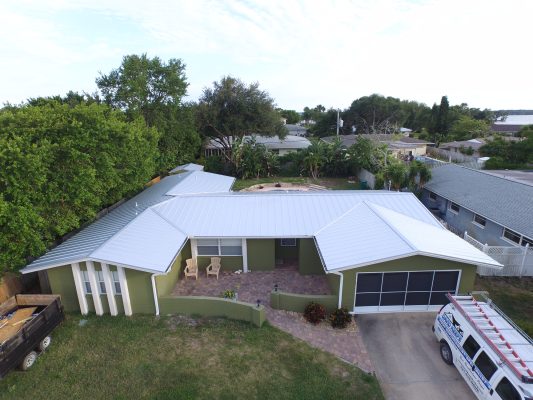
<point x="42" y="268"/>
<point x="379" y="261"/>
<point x="320" y="255"/>
<point x="415" y="253"/>
<point x="496" y="264"/>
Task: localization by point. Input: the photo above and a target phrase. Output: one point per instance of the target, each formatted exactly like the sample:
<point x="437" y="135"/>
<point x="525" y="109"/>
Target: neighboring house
<point x="463" y="146"/>
<point x="512" y="124"/>
<point x="296" y="130"/>
<point x="400" y="146"/>
<point x="187" y="167"/>
<point x="492" y="209"/>
<point x="289" y="144"/>
<point x="380" y="251"/>
<point x="406" y="131"/>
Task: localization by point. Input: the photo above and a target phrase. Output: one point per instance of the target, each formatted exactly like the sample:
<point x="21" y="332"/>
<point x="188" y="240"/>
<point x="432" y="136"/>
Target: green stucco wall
<point x="418" y="263"/>
<point x="141" y="293"/>
<point x="286" y="253"/>
<point x="261" y="254"/>
<point x="212" y="307"/>
<point x="165" y="283"/>
<point x="62" y="283"/>
<point x="297" y="302"/>
<point x="229" y="263"/>
<point x="309" y="259"/>
<point x="333" y="281"/>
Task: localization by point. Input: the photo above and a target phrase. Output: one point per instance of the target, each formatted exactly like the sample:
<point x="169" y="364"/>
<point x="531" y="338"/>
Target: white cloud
<point x="302" y="52"/>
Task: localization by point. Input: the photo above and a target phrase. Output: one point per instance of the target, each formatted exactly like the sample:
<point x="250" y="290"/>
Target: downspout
<point x="341" y="282"/>
<point x="154" y="289"/>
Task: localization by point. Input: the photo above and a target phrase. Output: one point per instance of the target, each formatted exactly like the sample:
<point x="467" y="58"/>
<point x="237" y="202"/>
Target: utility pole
<point x="340" y="122"/>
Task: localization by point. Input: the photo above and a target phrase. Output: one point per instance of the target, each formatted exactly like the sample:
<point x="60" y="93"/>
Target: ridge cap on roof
<point x="376" y="210"/>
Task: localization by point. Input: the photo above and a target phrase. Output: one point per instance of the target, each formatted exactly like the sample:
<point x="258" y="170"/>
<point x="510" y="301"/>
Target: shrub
<point x="340" y="318"/>
<point x="229" y="294"/>
<point x="314" y="313"/>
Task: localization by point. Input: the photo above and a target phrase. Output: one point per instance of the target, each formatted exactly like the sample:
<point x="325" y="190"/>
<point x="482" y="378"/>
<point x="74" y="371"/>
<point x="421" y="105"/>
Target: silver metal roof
<point x="187" y="167"/>
<point x="351" y="228"/>
<point x="82" y="245"/>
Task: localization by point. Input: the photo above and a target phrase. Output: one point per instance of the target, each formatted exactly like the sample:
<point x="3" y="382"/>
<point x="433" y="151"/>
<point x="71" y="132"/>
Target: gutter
<point x="341" y="282"/>
<point x="154" y="289"/>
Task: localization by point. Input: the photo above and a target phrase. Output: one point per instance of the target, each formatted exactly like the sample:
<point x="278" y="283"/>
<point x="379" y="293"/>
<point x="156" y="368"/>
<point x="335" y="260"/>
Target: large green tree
<point x="59" y="165"/>
<point x="466" y="128"/>
<point x="232" y="109"/>
<point x="154" y="89"/>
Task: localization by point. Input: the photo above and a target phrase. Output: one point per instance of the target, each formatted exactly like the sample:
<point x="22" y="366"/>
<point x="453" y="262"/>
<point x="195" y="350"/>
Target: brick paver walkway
<point x="257" y="285"/>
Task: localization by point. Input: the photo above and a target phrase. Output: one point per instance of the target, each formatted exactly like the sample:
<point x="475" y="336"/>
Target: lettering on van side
<point x="456" y="336"/>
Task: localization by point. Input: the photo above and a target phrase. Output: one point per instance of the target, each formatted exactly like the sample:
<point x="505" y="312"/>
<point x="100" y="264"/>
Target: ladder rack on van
<point x="479" y="315"/>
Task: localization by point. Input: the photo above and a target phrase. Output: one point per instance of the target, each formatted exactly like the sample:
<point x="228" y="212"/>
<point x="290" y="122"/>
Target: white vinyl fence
<point x="516" y="260"/>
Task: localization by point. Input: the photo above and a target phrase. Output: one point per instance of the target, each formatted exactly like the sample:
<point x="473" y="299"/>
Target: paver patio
<point x="257" y="285"/>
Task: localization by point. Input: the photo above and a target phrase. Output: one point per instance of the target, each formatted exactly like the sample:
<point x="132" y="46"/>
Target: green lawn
<point x="330" y="183"/>
<point x="179" y="358"/>
<point x="513" y="295"/>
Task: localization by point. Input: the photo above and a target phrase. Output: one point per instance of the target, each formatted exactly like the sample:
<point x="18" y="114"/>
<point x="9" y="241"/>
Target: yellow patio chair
<point x="214" y="267"/>
<point x="191" y="269"/>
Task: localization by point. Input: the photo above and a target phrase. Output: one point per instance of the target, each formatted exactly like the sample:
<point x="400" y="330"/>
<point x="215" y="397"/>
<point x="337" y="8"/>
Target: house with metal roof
<point x="380" y="251"/>
<point x="399" y="146"/>
<point x="490" y="208"/>
<point x="289" y="144"/>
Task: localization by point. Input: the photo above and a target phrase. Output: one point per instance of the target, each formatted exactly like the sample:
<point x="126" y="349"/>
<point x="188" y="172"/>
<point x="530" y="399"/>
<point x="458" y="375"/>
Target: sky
<point x="302" y="52"/>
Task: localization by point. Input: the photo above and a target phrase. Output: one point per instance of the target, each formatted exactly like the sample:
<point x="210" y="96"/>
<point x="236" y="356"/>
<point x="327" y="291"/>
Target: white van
<point x="493" y="355"/>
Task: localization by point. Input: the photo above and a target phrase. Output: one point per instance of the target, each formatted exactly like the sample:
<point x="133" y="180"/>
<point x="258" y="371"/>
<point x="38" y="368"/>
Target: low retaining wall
<point x="212" y="307"/>
<point x="298" y="302"/>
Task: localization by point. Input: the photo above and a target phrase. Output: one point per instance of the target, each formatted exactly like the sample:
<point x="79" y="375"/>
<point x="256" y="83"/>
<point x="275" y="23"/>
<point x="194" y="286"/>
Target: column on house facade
<point x="108" y="280"/>
<point x="78" y="282"/>
<point x="94" y="288"/>
<point x="244" y="256"/>
<point x="124" y="290"/>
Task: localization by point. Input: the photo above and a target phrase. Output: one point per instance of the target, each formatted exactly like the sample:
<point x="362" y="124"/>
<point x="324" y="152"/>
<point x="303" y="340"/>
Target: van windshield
<point x="506" y="390"/>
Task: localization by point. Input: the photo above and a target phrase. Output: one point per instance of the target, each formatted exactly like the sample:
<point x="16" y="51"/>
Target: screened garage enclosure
<point x="404" y="291"/>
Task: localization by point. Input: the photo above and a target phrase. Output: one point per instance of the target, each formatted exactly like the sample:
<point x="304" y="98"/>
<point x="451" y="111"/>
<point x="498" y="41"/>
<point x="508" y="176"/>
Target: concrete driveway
<point x="406" y="357"/>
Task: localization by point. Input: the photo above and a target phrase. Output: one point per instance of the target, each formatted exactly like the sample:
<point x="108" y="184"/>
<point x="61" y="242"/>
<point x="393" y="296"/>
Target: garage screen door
<point x="403" y="291"/>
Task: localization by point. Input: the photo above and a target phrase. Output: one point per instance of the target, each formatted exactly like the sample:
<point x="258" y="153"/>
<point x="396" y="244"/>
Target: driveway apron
<point x="405" y="355"/>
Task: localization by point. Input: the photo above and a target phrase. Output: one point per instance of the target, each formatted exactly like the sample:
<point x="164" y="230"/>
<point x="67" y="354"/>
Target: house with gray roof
<point x="492" y="209"/>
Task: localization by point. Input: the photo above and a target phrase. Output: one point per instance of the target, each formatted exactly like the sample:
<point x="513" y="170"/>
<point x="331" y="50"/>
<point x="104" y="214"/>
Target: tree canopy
<point x="232" y="109"/>
<point x="153" y="89"/>
<point x="59" y="165"/>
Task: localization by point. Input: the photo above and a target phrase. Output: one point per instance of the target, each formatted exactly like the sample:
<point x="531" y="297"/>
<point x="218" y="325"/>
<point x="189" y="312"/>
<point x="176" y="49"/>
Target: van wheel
<point x="45" y="343"/>
<point x="28" y="361"/>
<point x="446" y="353"/>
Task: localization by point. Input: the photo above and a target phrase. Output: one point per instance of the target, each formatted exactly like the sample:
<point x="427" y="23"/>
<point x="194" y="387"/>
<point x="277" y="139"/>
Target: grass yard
<point x="182" y="358"/>
<point x="330" y="183"/>
<point x="513" y="295"/>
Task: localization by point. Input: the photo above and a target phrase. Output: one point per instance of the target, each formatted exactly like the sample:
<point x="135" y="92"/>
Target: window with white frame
<point x="479" y="220"/>
<point x="511" y="235"/>
<point x="288" y="242"/>
<point x="86" y="282"/>
<point x="432" y="196"/>
<point x="101" y="282"/>
<point x="454" y="207"/>
<point x="219" y="247"/>
<point x="116" y="282"/>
